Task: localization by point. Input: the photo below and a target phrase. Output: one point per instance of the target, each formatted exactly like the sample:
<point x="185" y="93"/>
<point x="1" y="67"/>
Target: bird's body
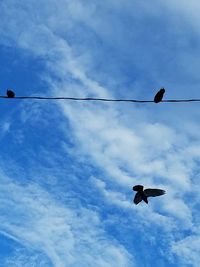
<point x="159" y="96"/>
<point x="144" y="194"/>
<point x="10" y="93"/>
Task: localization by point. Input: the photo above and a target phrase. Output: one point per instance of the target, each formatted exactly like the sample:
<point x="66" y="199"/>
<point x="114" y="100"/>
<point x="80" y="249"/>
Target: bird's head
<point x="162" y="90"/>
<point x="138" y="188"/>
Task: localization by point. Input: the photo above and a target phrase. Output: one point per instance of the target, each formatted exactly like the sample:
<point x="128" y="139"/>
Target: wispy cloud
<point x="33" y="218"/>
<point x="153" y="145"/>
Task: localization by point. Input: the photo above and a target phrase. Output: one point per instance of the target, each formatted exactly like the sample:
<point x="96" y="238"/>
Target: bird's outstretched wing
<point x="137" y="199"/>
<point x="151" y="192"/>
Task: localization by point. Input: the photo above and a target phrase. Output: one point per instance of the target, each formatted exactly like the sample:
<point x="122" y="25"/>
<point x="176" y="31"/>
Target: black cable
<point x="99" y="99"/>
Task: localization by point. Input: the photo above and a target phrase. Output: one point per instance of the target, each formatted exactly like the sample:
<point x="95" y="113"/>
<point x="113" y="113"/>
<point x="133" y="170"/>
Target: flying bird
<point x="10" y="93"/>
<point x="144" y="194"/>
<point x="159" y="96"/>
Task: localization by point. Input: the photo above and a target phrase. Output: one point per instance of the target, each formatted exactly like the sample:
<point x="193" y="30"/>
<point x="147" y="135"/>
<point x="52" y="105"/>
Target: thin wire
<point x="99" y="99"/>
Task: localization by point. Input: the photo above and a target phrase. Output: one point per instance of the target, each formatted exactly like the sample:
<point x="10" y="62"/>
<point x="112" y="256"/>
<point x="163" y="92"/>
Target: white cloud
<point x="154" y="154"/>
<point x="33" y="218"/>
<point x="187" y="250"/>
<point x="22" y="258"/>
<point x="5" y="127"/>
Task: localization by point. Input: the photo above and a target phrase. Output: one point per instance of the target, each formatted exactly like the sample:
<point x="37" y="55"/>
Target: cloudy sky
<point x="67" y="168"/>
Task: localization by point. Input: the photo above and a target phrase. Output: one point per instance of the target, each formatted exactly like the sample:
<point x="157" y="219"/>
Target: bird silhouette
<point x="10" y="93"/>
<point x="159" y="96"/>
<point x="144" y="194"/>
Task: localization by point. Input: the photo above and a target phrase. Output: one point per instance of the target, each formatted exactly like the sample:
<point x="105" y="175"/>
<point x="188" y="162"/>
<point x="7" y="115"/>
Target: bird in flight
<point x="159" y="96"/>
<point x="10" y="93"/>
<point x="144" y="194"/>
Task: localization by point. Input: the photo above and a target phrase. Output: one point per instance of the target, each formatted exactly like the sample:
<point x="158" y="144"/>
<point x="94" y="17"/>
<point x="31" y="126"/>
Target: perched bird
<point x="159" y="96"/>
<point x="144" y="194"/>
<point x="10" y="93"/>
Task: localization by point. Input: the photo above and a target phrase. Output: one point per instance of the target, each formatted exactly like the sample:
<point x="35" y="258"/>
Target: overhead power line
<point x="99" y="99"/>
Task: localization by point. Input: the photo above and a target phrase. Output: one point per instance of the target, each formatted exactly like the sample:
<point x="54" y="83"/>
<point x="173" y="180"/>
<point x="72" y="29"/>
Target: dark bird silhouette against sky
<point x="159" y="96"/>
<point x="10" y="93"/>
<point x="144" y="194"/>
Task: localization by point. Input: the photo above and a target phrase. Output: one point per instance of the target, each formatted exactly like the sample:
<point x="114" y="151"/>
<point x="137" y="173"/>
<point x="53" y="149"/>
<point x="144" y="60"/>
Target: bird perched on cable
<point x="144" y="194"/>
<point x="10" y="93"/>
<point x="159" y="96"/>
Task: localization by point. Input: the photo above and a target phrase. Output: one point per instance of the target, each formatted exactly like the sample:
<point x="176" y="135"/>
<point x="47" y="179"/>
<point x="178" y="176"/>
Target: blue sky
<point x="67" y="168"/>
